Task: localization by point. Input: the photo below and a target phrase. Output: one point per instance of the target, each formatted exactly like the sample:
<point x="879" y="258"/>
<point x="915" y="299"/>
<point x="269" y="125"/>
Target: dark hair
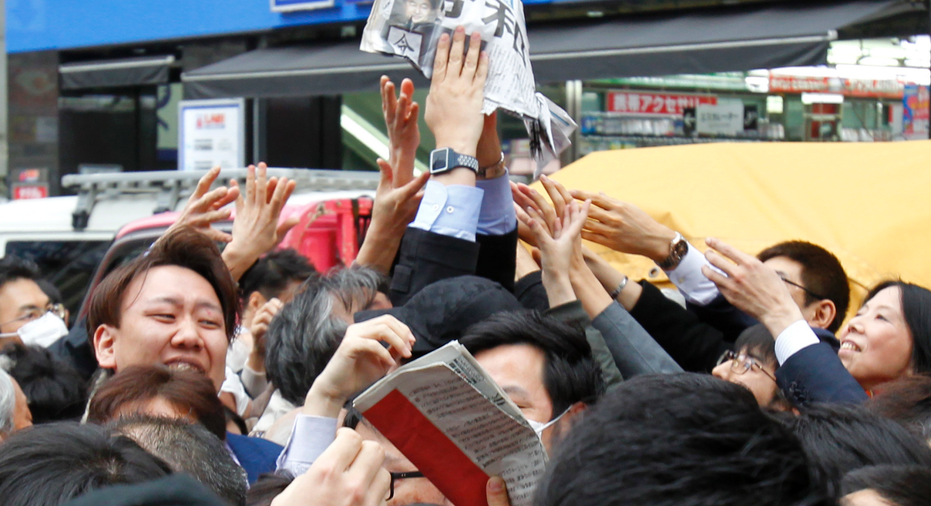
<point x="759" y="342"/>
<point x="840" y="438"/>
<point x="183" y="247"/>
<point x="570" y="374"/>
<point x="678" y="439"/>
<point x="899" y="485"/>
<point x="187" y="390"/>
<point x="822" y="274"/>
<point x="268" y="487"/>
<point x="907" y="401"/>
<point x="188" y="448"/>
<point x="231" y="416"/>
<point x="305" y="334"/>
<point x="13" y="268"/>
<point x="47" y="465"/>
<point x="916" y="311"/>
<point x="55" y="390"/>
<point x="50" y="290"/>
<point x="271" y="274"/>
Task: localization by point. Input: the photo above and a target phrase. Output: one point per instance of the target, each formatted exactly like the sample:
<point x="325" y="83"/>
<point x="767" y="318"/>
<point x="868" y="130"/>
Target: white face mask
<point x="539" y="427"/>
<point x="42" y="331"/>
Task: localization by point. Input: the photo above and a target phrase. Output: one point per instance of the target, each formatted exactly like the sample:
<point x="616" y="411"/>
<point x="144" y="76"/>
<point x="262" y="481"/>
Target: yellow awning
<point x="868" y="203"/>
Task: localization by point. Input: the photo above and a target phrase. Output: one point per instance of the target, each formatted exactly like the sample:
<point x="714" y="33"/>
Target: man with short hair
<point x="188" y="447"/>
<point x="682" y="439"/>
<point x="14" y="407"/>
<point x="22" y="302"/>
<point x="177" y="304"/>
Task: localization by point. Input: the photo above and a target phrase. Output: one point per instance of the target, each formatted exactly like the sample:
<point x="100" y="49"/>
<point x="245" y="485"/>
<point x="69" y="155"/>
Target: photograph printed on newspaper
<point x="411" y="28"/>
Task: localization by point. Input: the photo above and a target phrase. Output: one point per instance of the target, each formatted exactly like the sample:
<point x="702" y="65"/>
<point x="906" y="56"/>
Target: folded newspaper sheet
<point x="411" y="29"/>
<point x="452" y="421"/>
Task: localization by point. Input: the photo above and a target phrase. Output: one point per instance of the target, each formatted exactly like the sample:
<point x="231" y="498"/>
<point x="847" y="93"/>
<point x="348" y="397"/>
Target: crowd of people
<point x="227" y="377"/>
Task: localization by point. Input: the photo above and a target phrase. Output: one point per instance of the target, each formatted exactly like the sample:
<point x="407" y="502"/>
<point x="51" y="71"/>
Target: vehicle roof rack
<point x="172" y="186"/>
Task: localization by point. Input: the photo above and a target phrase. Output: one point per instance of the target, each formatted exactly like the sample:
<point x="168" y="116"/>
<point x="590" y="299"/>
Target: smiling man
<point x="175" y="305"/>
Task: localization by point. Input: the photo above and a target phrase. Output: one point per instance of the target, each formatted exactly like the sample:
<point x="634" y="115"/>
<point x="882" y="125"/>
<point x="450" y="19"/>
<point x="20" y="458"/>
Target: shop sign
<point x="23" y="191"/>
<point x="655" y="103"/>
<point x="724" y="118"/>
<point x="299" y="5"/>
<point x="867" y="88"/>
<point x="915" y="113"/>
<point x="212" y="133"/>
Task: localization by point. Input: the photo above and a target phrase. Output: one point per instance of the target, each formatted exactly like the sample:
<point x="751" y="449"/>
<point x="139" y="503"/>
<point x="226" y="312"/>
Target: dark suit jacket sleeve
<point x="696" y="346"/>
<point x="815" y="374"/>
<point x="426" y="257"/>
<point x="722" y="315"/>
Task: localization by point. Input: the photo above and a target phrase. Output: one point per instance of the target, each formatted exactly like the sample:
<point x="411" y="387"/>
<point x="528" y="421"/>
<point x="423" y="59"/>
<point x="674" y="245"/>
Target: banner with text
<point x="655" y="103"/>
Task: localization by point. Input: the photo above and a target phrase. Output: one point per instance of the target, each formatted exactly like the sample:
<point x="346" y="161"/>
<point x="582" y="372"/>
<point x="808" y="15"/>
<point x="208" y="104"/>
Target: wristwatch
<point x="492" y="171"/>
<point x="678" y="247"/>
<point x="445" y="160"/>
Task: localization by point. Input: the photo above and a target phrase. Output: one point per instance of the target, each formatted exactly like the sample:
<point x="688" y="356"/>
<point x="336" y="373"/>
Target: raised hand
<point x="624" y="227"/>
<point x="203" y="207"/>
<point x="258" y="328"/>
<point x="360" y="360"/>
<point x="751" y="286"/>
<point x="454" y="105"/>
<point x="256" y="228"/>
<point x="400" y="114"/>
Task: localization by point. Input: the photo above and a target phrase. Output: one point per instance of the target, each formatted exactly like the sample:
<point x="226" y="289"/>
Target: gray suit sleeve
<point x="573" y="313"/>
<point x="634" y="350"/>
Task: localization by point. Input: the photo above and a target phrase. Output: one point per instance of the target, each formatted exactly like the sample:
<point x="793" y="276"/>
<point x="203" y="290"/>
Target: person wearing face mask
<point x="27" y="315"/>
<point x="889" y="338"/>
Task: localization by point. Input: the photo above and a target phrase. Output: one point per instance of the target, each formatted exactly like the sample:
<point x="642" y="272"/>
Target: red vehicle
<point x="329" y="233"/>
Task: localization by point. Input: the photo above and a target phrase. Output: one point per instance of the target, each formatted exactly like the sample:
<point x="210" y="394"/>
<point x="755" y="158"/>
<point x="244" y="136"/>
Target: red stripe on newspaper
<point x="441" y="461"/>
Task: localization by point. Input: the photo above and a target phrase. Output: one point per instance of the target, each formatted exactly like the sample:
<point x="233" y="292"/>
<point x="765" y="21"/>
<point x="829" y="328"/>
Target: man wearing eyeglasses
<point x="26" y="313"/>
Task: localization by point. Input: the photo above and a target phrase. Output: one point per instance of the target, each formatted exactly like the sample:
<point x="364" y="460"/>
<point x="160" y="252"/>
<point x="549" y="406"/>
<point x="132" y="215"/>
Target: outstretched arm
<point x="256" y="228"/>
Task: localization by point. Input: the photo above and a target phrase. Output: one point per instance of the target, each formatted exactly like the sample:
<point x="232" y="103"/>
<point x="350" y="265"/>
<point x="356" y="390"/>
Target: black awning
<point x="115" y="73"/>
<point x="323" y="69"/>
<point x="718" y="40"/>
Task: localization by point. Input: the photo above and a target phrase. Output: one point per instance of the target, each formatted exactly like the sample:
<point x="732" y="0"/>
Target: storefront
<point x="87" y="93"/>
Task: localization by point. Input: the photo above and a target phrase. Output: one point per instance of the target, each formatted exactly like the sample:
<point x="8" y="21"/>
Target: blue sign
<point x="299" y="5"/>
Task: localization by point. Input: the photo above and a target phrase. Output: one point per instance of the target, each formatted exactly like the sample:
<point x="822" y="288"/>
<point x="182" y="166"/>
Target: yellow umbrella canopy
<point x="868" y="203"/>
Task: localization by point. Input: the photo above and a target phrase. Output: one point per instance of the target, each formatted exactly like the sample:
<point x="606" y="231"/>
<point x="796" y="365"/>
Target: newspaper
<point x="411" y="29"/>
<point x="453" y="422"/>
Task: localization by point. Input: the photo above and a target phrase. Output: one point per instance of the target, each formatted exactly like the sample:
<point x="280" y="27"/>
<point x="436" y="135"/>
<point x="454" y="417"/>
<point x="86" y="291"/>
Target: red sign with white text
<point x="31" y="191"/>
<point x="655" y="103"/>
<point x="875" y="88"/>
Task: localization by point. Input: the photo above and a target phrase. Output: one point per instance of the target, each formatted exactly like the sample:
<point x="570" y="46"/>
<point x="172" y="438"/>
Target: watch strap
<point x="678" y="247"/>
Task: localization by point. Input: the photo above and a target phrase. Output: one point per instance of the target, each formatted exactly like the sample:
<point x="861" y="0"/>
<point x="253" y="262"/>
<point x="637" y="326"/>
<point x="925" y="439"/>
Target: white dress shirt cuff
<point x="310" y="436"/>
<point x="795" y="337"/>
<point x="450" y="210"/>
<point x="688" y="278"/>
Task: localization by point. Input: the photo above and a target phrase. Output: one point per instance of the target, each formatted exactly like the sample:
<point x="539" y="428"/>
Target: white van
<point x="68" y="237"/>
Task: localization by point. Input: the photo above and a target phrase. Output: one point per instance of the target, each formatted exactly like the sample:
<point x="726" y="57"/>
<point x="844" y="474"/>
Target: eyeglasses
<point x="401" y="476"/>
<point x="809" y="292"/>
<point x="36" y="313"/>
<point x="741" y="363"/>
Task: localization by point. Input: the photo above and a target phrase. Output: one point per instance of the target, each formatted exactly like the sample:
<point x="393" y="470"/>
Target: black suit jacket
<point x="815" y="374"/>
<point x="426" y="257"/>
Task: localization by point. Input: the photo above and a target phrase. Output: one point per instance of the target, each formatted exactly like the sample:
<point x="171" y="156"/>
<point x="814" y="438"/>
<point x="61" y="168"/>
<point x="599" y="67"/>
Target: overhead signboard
<point x="655" y="103"/>
<point x="868" y="88"/>
<point x="212" y="133"/>
<point x="299" y="5"/>
<point x="724" y="118"/>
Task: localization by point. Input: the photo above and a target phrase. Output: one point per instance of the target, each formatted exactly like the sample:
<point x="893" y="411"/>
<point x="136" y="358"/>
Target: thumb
<point x="287" y="224"/>
<point x="496" y="492"/>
